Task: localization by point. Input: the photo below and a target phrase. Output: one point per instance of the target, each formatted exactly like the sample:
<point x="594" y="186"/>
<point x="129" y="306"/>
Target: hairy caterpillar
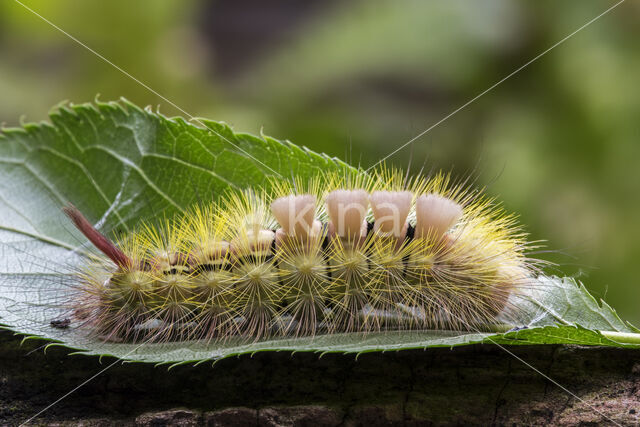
<point x="336" y="253"/>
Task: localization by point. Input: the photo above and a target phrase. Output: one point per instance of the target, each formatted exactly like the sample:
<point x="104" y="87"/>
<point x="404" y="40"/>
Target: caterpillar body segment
<point x="334" y="254"/>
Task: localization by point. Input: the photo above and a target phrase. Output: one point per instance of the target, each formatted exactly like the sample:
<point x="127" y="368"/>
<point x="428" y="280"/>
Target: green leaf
<point x="120" y="164"/>
<point x="556" y="301"/>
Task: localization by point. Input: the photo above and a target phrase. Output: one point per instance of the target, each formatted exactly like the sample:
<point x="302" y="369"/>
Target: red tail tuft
<point x="99" y="241"/>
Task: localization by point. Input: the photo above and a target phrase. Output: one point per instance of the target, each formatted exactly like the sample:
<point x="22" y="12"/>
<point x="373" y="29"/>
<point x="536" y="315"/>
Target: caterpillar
<point x="336" y="253"/>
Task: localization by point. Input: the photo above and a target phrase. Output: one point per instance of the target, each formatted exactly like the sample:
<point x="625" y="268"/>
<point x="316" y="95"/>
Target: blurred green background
<point x="559" y="142"/>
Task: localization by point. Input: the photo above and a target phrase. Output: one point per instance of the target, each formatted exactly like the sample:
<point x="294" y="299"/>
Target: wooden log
<point x="474" y="385"/>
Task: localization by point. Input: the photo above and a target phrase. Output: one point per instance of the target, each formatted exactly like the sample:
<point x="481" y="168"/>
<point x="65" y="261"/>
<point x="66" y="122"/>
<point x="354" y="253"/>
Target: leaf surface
<point x="120" y="164"/>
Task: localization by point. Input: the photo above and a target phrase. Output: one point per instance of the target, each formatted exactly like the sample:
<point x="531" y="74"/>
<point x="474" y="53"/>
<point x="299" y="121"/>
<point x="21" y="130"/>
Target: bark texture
<point x="476" y="385"/>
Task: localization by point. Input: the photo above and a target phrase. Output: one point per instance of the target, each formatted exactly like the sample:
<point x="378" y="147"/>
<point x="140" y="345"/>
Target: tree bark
<point x="477" y="385"/>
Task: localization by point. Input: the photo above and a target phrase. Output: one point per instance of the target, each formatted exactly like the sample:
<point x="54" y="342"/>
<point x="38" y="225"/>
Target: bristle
<point x="253" y="241"/>
<point x="296" y="216"/>
<point x="295" y="213"/>
<point x="390" y="210"/>
<point x="347" y="210"/>
<point x="209" y="251"/>
<point x="435" y="215"/>
<point x="306" y="281"/>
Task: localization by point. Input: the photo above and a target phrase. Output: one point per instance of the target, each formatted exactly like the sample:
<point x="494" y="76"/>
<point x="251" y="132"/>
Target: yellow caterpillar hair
<point x="336" y="253"/>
